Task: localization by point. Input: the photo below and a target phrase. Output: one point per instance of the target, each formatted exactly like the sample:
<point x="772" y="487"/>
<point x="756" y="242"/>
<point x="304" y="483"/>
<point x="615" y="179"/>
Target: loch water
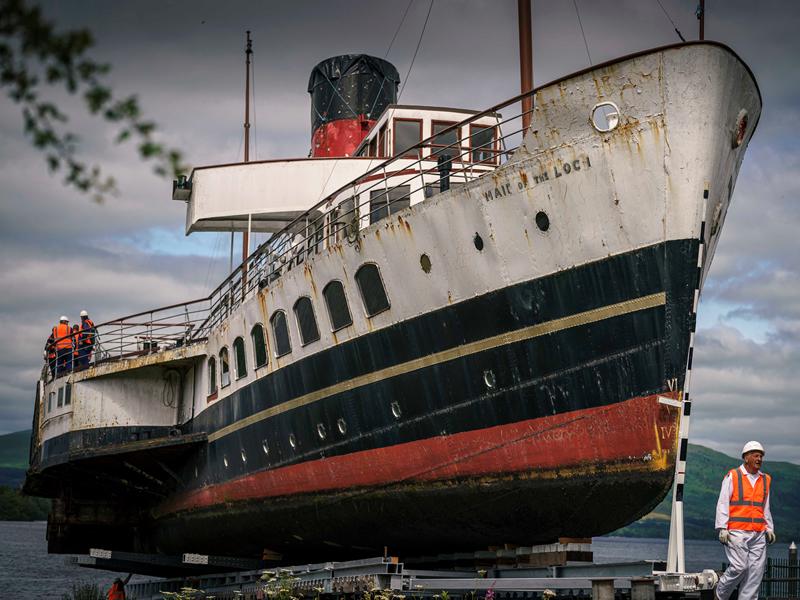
<point x="27" y="572"/>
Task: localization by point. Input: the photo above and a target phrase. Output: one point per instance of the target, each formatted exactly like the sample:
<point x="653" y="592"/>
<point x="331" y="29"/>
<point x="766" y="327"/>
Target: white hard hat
<point x="64" y="318"/>
<point x="84" y="313"/>
<point x="751" y="446"/>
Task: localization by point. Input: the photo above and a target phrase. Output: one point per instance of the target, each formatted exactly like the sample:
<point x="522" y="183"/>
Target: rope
<point x="212" y="259"/>
<point x="585" y="43"/>
<point x="403" y="20"/>
<point x="419" y="43"/>
<point x="670" y="20"/>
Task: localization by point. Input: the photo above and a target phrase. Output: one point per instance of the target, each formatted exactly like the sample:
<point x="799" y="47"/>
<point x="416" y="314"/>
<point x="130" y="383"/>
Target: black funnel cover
<point x="343" y="87"/>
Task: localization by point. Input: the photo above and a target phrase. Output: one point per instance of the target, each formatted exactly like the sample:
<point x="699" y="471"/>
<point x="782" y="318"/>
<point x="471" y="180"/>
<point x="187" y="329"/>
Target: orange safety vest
<point x="747" y="502"/>
<point x="87" y="332"/>
<point x="76" y="339"/>
<point x="61" y="333"/>
<point x="116" y="592"/>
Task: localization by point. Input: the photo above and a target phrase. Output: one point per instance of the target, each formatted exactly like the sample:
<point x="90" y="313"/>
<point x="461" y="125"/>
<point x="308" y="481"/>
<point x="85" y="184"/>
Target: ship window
<point x="482" y="143"/>
<point x="373" y="146"/>
<point x="372" y="291"/>
<point x="259" y="345"/>
<point x="407" y="133"/>
<point x="212" y="376"/>
<point x="383" y="203"/>
<point x="280" y="331"/>
<point x="382" y="141"/>
<point x="445" y="143"/>
<point x="241" y="359"/>
<point x="306" y="322"/>
<point x="68" y="394"/>
<point x="224" y="368"/>
<point x="50" y="397"/>
<point x="60" y="397"/>
<point x="336" y="301"/>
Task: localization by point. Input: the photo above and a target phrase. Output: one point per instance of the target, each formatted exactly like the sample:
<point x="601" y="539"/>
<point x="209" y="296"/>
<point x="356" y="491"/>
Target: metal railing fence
<point x="428" y="167"/>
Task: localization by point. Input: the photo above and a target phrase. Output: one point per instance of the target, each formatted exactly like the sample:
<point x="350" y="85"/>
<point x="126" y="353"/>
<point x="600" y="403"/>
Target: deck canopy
<point x="271" y="193"/>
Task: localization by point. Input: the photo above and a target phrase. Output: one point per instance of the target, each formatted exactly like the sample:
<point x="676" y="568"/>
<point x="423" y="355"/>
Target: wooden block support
<point x="643" y="589"/>
<point x="603" y="589"/>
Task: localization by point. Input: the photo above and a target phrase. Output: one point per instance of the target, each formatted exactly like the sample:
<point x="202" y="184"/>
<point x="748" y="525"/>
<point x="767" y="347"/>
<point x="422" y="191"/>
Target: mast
<point x="701" y="16"/>
<point x="246" y="233"/>
<point x="525" y="59"/>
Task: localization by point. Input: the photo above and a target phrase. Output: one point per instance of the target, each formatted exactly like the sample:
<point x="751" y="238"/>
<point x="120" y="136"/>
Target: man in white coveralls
<point x="745" y="524"/>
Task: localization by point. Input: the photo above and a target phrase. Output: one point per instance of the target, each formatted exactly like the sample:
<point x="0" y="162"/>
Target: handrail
<point x="339" y="216"/>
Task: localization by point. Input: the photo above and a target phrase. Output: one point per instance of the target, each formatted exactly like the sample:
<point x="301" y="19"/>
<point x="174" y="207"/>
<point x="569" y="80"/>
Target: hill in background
<point x="14" y="449"/>
<point x="704" y="472"/>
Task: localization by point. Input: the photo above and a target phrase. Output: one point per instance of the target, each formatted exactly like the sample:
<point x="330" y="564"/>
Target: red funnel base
<point x="340" y="137"/>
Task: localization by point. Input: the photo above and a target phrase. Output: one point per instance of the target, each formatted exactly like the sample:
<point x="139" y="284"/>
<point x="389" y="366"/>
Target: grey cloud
<point x="745" y="390"/>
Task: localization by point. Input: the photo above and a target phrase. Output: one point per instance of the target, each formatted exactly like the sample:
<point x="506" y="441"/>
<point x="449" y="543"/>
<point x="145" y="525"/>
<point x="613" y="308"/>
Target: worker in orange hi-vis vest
<point x="745" y="524"/>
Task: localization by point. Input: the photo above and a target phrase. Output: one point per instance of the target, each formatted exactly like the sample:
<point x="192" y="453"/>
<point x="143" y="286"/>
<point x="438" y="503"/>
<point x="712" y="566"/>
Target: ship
<point x="467" y="329"/>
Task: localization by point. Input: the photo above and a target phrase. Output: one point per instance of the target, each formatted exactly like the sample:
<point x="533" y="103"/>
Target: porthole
<point x="489" y="379"/>
<point x="321" y="431"/>
<point x="225" y="461"/>
<point x="605" y="117"/>
<point x="292" y="440"/>
<point x="425" y="263"/>
<point x="542" y="220"/>
<point x="341" y="426"/>
<point x="244" y="456"/>
<point x="265" y="446"/>
<point x="396" y="410"/>
<point x="478" y="241"/>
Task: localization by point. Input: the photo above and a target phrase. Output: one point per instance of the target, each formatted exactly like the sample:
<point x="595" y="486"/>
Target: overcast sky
<point x="60" y="252"/>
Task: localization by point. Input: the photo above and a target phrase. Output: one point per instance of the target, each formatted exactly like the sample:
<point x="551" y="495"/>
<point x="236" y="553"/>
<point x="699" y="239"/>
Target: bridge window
<point x="382" y="142"/>
<point x="407" y="133"/>
<point x="259" y="345"/>
<point x="483" y="144"/>
<point x="280" y="332"/>
<point x="373" y="293"/>
<point x="212" y="376"/>
<point x="224" y="368"/>
<point x="445" y="143"/>
<point x="60" y="397"/>
<point x="383" y="203"/>
<point x="336" y="301"/>
<point x="241" y="359"/>
<point x="373" y="146"/>
<point x="306" y="321"/>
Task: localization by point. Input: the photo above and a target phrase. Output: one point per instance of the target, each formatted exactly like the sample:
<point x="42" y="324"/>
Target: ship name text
<point x="523" y="180"/>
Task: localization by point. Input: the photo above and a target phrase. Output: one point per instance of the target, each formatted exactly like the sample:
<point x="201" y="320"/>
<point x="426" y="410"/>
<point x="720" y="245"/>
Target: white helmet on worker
<point x="64" y="319"/>
<point x="752" y="446"/>
<point x="84" y="313"/>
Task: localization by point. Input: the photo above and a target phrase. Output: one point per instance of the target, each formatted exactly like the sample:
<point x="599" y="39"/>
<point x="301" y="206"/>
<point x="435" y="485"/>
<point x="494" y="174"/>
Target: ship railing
<point x="128" y="337"/>
<point x="420" y="171"/>
<point x="423" y="170"/>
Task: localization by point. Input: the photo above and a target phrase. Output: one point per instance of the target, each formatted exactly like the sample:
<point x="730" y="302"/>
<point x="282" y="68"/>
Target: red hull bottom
<point x="580" y="473"/>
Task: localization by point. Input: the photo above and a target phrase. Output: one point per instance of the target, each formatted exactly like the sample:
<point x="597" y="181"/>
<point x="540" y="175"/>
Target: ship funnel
<point x="348" y="94"/>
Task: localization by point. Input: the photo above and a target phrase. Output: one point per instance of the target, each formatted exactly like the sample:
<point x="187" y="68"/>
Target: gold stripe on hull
<point x="503" y="339"/>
